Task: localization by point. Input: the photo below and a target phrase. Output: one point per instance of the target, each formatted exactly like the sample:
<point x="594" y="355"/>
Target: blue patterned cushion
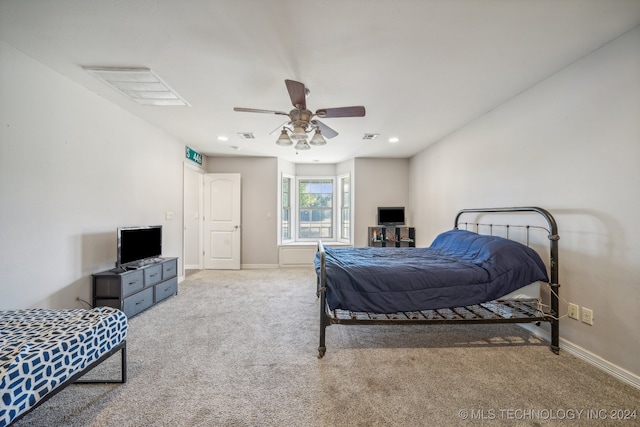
<point x="41" y="348"/>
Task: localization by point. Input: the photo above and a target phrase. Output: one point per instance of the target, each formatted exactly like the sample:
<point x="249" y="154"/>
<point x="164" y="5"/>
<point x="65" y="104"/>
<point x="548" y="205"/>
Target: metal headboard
<point x="553" y="250"/>
<point x="552" y="230"/>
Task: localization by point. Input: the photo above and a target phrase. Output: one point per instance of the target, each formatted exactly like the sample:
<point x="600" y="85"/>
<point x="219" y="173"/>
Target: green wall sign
<point x="193" y="155"/>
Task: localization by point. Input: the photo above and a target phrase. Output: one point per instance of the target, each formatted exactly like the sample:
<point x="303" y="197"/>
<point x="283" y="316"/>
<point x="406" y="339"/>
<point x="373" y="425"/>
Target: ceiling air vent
<point x="140" y="85"/>
<point x="370" y="136"/>
<point x="246" y="135"/>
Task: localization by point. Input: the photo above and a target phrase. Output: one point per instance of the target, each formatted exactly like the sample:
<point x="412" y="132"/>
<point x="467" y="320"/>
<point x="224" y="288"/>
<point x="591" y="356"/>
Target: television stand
<point x="134" y="289"/>
<point x="392" y="236"/>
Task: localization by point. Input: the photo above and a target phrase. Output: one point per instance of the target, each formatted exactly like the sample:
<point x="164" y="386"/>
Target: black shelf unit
<point x="385" y="236"/>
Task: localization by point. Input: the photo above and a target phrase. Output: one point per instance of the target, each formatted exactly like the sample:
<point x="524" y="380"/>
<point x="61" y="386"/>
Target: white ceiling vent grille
<point x="140" y="85"/>
<point x="370" y="136"/>
<point x="246" y="135"/>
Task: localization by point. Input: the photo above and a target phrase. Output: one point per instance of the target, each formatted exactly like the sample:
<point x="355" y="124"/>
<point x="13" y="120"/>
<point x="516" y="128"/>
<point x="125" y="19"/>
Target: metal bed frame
<point x="489" y="312"/>
<point x="75" y="379"/>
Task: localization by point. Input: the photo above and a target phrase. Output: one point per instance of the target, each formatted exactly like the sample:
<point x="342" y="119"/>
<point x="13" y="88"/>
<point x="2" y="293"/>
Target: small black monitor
<point x="391" y="215"/>
<point x="139" y="243"/>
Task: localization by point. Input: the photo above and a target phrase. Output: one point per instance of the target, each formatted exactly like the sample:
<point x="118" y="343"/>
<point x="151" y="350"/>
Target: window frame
<point x="340" y="206"/>
<point x="297" y="208"/>
<point x="292" y="203"/>
<point x="294" y="198"/>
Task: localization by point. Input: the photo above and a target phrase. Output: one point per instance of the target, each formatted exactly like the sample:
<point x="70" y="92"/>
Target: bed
<point x="44" y="350"/>
<point x="469" y="274"/>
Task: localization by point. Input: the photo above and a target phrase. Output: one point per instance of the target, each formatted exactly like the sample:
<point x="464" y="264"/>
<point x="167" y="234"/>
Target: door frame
<point x="199" y="193"/>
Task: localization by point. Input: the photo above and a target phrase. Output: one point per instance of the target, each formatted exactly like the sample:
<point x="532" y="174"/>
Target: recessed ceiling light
<point x="140" y="85"/>
<point x="394" y="140"/>
<point x="223" y="138"/>
<point x="235" y="148"/>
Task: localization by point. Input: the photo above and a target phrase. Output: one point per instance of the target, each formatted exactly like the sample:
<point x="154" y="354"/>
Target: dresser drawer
<point x="152" y="274"/>
<point x="138" y="302"/>
<point x="165" y="289"/>
<point x="169" y="269"/>
<point x="132" y="282"/>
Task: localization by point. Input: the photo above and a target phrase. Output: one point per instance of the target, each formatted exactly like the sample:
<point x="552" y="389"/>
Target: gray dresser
<point x="133" y="291"/>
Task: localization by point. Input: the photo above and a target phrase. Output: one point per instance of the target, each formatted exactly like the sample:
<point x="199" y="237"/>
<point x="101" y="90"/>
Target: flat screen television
<point x="137" y="244"/>
<point x="391" y="215"/>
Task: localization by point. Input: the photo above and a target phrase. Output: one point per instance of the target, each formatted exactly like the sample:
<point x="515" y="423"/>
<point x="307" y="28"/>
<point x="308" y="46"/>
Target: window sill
<point x="315" y="243"/>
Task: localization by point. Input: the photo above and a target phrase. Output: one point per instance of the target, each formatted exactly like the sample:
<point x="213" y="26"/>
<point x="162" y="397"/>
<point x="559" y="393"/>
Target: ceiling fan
<point x="302" y="121"/>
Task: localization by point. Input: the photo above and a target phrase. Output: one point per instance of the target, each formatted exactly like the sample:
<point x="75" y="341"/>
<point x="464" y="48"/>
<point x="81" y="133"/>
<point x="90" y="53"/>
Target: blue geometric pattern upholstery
<point x="41" y="348"/>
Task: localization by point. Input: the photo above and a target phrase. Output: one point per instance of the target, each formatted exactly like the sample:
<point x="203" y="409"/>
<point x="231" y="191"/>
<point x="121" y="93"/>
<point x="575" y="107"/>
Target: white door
<point x="222" y="221"/>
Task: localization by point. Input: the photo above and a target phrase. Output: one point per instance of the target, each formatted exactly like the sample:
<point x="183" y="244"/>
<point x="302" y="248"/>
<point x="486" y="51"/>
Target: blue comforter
<point x="460" y="268"/>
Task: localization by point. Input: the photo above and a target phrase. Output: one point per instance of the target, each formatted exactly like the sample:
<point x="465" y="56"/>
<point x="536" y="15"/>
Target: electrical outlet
<point x="587" y="316"/>
<point x="574" y="311"/>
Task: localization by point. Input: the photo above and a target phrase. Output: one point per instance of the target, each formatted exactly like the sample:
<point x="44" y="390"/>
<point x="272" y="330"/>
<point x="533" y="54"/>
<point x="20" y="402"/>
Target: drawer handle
<point x="140" y="302"/>
<point x="153" y="275"/>
<point x="132" y="283"/>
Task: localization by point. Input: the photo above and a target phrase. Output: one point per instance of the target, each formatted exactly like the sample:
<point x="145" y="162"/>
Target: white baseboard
<point x="258" y="266"/>
<point x="243" y="266"/>
<point x="592" y="359"/>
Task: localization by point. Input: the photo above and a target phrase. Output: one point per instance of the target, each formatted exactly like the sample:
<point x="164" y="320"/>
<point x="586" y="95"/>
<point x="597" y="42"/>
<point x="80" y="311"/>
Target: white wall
<point x="570" y="144"/>
<point x="73" y="168"/>
<point x="379" y="182"/>
<point x="259" y="179"/>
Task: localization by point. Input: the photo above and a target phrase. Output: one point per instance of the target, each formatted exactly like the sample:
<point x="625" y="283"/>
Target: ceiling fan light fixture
<point x="302" y="145"/>
<point x="317" y="139"/>
<point x="298" y="132"/>
<point x="283" y="139"/>
<point x="301" y="122"/>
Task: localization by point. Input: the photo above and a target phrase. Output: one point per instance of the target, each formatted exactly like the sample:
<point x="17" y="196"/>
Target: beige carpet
<point x="239" y="348"/>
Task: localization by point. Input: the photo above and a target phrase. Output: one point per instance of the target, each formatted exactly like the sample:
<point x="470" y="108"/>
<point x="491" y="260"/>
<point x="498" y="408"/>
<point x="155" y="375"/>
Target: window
<point x="286" y="208"/>
<point x="345" y="207"/>
<point x="315" y="208"/>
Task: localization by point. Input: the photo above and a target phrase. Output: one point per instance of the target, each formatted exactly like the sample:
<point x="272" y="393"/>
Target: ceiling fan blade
<point x="255" y="110"/>
<point x="297" y="93"/>
<point x="356" y="111"/>
<point x="325" y="130"/>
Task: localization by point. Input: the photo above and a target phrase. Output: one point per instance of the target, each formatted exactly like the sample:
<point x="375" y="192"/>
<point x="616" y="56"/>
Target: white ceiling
<point x="422" y="68"/>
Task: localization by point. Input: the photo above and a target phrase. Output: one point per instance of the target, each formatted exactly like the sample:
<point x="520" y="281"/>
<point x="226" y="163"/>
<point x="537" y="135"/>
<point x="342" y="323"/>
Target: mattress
<point x="526" y="293"/>
<point x="460" y="268"/>
<point x="41" y="348"/>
